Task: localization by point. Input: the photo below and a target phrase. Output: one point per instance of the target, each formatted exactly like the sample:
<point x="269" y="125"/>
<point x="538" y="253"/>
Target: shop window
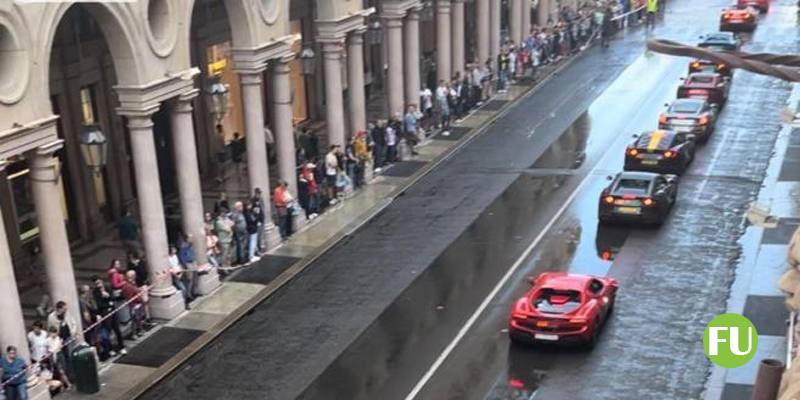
<point x="220" y="65"/>
<point x="22" y="198"/>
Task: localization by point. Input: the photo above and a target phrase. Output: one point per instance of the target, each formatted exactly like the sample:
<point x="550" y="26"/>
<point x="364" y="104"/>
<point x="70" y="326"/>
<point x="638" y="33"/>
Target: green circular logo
<point x="730" y="340"/>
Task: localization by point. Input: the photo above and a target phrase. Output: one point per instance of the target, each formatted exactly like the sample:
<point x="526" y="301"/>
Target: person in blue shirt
<point x="14" y="375"/>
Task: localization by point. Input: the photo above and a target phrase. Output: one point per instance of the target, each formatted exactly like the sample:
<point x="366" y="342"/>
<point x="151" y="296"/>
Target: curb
<point x="208" y="336"/>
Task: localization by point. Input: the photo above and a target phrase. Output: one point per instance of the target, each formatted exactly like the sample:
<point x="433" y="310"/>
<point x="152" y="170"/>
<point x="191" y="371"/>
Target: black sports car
<point x="665" y="152"/>
<point x="638" y="197"/>
<point x="695" y="116"/>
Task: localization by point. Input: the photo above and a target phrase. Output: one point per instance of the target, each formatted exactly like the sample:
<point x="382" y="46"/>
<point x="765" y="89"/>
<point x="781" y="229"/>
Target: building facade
<point x="112" y="106"/>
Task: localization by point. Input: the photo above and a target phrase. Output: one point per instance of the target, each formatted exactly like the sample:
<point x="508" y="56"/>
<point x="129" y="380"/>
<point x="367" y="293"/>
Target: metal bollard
<point x="768" y="380"/>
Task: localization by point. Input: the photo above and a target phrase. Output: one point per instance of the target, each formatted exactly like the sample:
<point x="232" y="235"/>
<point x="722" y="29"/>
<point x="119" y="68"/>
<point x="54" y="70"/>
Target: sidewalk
<point x="755" y="292"/>
<point x="168" y="344"/>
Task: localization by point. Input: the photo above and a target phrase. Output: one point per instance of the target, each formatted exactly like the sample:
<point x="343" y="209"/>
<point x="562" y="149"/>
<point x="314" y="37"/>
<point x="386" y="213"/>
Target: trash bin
<point x="84" y="365"/>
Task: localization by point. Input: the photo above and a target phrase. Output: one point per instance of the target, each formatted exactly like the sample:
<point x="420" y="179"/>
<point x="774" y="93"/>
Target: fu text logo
<point x="730" y="340"/>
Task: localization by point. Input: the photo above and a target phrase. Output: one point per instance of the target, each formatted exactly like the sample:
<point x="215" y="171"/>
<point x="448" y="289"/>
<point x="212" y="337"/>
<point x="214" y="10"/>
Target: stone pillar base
<point x="272" y="238"/>
<point x="207" y="281"/>
<point x="404" y="152"/>
<point x="369" y="173"/>
<point x="166" y="306"/>
<point x="37" y="389"/>
<point x="299" y="222"/>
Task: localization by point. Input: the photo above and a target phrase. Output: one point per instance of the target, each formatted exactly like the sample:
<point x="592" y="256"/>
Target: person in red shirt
<point x="115" y="275"/>
<point x="134" y="296"/>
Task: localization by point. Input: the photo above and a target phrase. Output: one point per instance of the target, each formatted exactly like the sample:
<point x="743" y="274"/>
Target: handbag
<point x="294" y="208"/>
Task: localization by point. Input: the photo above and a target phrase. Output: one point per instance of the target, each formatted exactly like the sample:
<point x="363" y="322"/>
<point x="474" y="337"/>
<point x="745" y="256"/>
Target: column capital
<point x="281" y="65"/>
<point x="43" y="165"/>
<point x="140" y="122"/>
<point x="250" y="77"/>
<point x="443" y="6"/>
<point x="332" y="50"/>
<point x="3" y="165"/>
<point x="183" y="103"/>
<point x="49" y="149"/>
<point x="393" y="20"/>
<point x="357" y="35"/>
<point x="413" y="12"/>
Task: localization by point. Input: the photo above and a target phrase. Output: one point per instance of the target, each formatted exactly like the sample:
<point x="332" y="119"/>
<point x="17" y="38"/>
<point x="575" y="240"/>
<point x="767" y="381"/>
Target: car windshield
<point x="685" y="107"/>
<point x="705" y="79"/>
<point x="553" y="301"/>
<point x="633" y="184"/>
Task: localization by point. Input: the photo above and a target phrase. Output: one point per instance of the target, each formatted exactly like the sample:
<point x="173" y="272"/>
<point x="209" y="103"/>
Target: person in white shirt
<point x="331" y="169"/>
<point x="426" y="99"/>
<point x="37" y="341"/>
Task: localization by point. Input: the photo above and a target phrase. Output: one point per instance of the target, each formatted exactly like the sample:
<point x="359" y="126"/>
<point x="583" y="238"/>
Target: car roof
<point x="719" y="37"/>
<point x="697" y="102"/>
<point x="638" y="175"/>
<point x="663" y="137"/>
<point x="564" y="281"/>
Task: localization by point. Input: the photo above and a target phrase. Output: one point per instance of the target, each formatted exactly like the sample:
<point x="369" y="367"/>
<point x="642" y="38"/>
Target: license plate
<point x="736" y="21"/>
<point x="628" y="210"/>
<point x="683" y="129"/>
<point x="542" y="336"/>
<point x="683" y="122"/>
<point x="649" y="162"/>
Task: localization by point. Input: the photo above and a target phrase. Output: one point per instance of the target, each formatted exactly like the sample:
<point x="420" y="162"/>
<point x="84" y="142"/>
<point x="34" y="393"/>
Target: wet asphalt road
<point x="367" y="320"/>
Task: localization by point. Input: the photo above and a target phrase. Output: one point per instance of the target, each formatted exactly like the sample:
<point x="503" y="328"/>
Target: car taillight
<point x="633" y="152"/>
<point x="609" y="199"/>
<point x="703" y="120"/>
<point x="669" y="154"/>
<point x="662" y="119"/>
<point x="696" y="65"/>
<point x="648" y="201"/>
<point x="521" y="308"/>
<point x="721" y="66"/>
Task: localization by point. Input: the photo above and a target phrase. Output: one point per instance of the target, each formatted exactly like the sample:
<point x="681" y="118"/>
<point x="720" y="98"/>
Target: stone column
<point x="334" y="110"/>
<point x="514" y="20"/>
<point x="411" y="42"/>
<point x="495" y="8"/>
<point x="165" y="301"/>
<point x="283" y="110"/>
<point x="355" y="77"/>
<point x="52" y="231"/>
<point x="525" y="14"/>
<point x="458" y="36"/>
<point x="443" y="59"/>
<point x="12" y="322"/>
<point x="542" y="12"/>
<point x="189" y="190"/>
<point x="257" y="165"/>
<point x="394" y="35"/>
<point x="482" y="16"/>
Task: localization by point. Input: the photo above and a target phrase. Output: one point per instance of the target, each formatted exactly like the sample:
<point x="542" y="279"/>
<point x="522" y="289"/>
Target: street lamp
<point x="94" y="147"/>
<point x="374" y="33"/>
<point x="218" y="96"/>
<point x="308" y="58"/>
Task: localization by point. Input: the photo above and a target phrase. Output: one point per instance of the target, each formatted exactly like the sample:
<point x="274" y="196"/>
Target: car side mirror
<point x="691" y="137"/>
<point x="682" y="78"/>
<point x="715" y="107"/>
<point x="531" y="280"/>
<point x="635" y="136"/>
<point x="666" y="104"/>
<point x="609" y="178"/>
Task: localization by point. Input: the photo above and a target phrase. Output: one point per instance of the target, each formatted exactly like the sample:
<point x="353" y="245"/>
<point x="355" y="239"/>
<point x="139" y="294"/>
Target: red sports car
<point x="709" y="86"/>
<point x="563" y="308"/>
<point x="760" y="5"/>
<point x="737" y="20"/>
